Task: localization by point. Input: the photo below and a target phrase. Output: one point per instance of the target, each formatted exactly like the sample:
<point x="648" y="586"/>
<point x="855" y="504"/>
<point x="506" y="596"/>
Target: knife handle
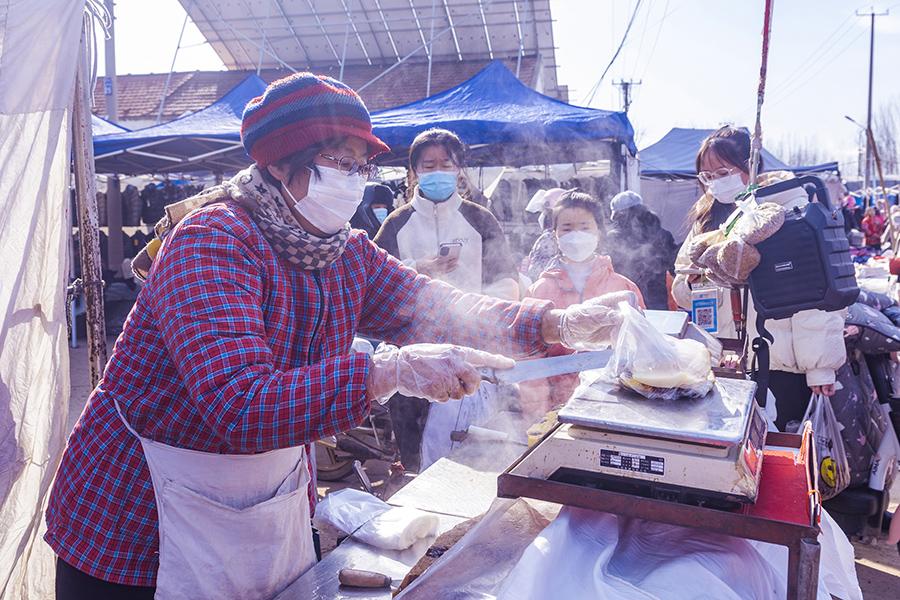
<point x="487" y="374"/>
<point x="359" y="578"/>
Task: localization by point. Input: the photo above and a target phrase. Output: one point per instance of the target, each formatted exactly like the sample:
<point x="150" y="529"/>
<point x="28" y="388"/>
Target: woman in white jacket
<point x="444" y="236"/>
<point x="809" y="346"/>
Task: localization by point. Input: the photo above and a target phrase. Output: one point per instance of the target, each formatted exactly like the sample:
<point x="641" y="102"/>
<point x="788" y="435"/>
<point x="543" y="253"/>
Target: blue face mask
<point x="437" y="185"/>
<point x="380" y="214"/>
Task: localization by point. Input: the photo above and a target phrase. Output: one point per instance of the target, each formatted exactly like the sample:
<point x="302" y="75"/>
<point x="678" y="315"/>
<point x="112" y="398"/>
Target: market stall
<point x="504" y="122"/>
<point x="473" y="482"/>
<point x="208" y="140"/>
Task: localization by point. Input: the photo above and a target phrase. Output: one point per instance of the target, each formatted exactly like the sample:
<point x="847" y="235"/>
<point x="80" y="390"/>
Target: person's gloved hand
<point x="436" y="372"/>
<point x="594" y="324"/>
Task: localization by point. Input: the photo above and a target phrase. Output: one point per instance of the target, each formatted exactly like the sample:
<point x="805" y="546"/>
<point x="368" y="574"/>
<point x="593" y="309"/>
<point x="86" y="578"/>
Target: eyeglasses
<point x="350" y="166"/>
<point x="707" y="177"/>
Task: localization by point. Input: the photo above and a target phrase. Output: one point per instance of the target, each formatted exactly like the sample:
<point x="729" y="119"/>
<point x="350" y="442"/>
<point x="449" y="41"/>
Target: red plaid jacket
<point x="231" y="350"/>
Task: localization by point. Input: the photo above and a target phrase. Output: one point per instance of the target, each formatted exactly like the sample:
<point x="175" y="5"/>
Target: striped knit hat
<point x="301" y="110"/>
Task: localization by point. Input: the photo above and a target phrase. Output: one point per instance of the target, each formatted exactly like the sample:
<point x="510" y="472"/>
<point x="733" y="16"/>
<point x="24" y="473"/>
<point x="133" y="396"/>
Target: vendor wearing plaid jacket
<point x="239" y="346"/>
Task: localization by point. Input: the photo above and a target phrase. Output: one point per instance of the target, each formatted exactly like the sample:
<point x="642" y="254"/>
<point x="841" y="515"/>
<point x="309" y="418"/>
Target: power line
<point x="656" y="39"/>
<point x="815" y="55"/>
<point x="637" y="56"/>
<point x="798" y="84"/>
<point x="658" y="31"/>
<point x="596" y="87"/>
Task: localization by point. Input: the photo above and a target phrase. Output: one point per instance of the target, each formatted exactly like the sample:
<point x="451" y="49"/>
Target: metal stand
<point x="801" y="540"/>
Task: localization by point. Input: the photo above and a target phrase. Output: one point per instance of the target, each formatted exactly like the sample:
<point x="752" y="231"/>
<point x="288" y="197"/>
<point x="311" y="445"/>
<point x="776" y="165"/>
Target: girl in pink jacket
<point x="577" y="274"/>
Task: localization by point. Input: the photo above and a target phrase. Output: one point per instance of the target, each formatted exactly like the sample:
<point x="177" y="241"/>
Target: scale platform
<point x="705" y="451"/>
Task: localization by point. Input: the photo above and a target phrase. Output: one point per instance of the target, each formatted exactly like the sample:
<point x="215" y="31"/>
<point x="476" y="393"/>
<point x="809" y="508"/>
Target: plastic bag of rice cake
<point x="656" y="365"/>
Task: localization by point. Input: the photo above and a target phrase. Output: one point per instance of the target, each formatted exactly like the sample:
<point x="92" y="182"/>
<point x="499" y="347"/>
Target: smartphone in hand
<point x="450" y="249"/>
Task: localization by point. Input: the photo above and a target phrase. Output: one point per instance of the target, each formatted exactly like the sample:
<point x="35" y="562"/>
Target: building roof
<point x="139" y="95"/>
<point x="377" y="33"/>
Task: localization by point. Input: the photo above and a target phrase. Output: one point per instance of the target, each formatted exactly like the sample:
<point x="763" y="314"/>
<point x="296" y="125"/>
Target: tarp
<point x="504" y="122"/>
<point x="207" y="140"/>
<point x="39" y="47"/>
<point x="675" y="153"/>
<point x="668" y="176"/>
<point x="101" y="126"/>
<point x="813" y="169"/>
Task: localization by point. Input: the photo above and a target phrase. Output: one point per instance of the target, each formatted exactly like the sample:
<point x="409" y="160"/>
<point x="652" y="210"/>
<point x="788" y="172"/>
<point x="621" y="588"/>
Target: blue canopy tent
<point x="504" y="122"/>
<point x="673" y="156"/>
<point x="207" y="140"/>
<point x="100" y="126"/>
<point x="669" y="183"/>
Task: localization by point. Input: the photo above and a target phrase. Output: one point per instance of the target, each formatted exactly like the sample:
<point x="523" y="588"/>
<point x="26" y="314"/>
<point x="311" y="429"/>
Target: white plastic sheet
<point x="38" y="50"/>
<point x="372" y="521"/>
<point x="588" y="555"/>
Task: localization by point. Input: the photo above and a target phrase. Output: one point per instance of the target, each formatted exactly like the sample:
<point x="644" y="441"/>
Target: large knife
<point x="540" y="368"/>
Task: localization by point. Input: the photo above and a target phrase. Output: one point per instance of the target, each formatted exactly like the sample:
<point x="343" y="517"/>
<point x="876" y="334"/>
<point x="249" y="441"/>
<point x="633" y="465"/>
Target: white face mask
<point x="331" y="200"/>
<point x="725" y="189"/>
<point x="578" y="245"/>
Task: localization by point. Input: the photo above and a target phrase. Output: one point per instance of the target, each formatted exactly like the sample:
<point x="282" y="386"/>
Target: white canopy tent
<point x="37" y="90"/>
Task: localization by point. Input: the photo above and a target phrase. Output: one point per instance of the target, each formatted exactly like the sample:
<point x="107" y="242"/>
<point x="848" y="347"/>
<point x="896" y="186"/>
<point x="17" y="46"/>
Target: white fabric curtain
<point x="39" y="43"/>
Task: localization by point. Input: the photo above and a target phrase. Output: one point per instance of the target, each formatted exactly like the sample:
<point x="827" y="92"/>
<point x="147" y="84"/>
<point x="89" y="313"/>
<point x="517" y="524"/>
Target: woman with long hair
<point x="809" y="346"/>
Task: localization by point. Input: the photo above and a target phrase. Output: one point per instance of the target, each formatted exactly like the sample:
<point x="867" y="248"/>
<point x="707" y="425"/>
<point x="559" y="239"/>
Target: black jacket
<point x="642" y="251"/>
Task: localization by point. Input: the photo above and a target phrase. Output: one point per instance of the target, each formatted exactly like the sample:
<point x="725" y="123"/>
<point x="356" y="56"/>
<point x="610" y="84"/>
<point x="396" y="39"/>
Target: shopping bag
<point x="833" y="469"/>
<point x="757" y="222"/>
<point x="657" y="365"/>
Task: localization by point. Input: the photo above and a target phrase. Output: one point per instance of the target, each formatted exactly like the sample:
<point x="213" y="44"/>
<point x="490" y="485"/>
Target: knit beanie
<point x="301" y="110"/>
<point x="624" y="200"/>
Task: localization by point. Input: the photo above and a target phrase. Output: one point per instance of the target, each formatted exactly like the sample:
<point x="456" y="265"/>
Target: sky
<point x="697" y="61"/>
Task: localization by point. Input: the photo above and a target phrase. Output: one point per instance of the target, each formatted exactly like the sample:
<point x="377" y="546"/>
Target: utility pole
<point x="110" y="84"/>
<point x="626" y="92"/>
<point x="868" y="169"/>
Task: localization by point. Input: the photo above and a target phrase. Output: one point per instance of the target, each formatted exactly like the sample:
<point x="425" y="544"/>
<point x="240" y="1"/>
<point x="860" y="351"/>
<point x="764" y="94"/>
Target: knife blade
<point x="539" y="368"/>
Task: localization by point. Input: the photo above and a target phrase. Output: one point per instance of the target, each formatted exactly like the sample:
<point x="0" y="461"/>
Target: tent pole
<point x="86" y="196"/>
<point x="115" y="253"/>
<point x="112" y="99"/>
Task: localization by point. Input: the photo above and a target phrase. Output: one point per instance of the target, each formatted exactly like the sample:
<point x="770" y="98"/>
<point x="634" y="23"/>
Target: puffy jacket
<point x="539" y="395"/>
<point x="810" y="342"/>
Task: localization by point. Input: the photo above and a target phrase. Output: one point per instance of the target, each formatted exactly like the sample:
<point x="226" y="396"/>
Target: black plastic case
<point x="805" y="264"/>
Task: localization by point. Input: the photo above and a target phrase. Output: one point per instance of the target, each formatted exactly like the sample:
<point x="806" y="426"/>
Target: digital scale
<point x="704" y="451"/>
<point x="697" y="451"/>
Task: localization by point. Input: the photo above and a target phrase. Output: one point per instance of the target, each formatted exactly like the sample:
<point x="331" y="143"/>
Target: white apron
<point x="231" y="526"/>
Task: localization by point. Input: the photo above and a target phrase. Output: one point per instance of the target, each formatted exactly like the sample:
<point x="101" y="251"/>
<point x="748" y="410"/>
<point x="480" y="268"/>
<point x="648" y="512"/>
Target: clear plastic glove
<point x="436" y="372"/>
<point x="594" y="324"/>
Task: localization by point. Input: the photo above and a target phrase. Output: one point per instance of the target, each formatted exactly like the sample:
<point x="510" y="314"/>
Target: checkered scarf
<point x="270" y="213"/>
<point x="273" y="217"/>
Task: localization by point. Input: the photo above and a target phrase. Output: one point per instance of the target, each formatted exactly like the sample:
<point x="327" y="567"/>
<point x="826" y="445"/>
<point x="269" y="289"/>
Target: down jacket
<point x="540" y="395"/>
<point x="871" y="334"/>
<point x="810" y="342"/>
